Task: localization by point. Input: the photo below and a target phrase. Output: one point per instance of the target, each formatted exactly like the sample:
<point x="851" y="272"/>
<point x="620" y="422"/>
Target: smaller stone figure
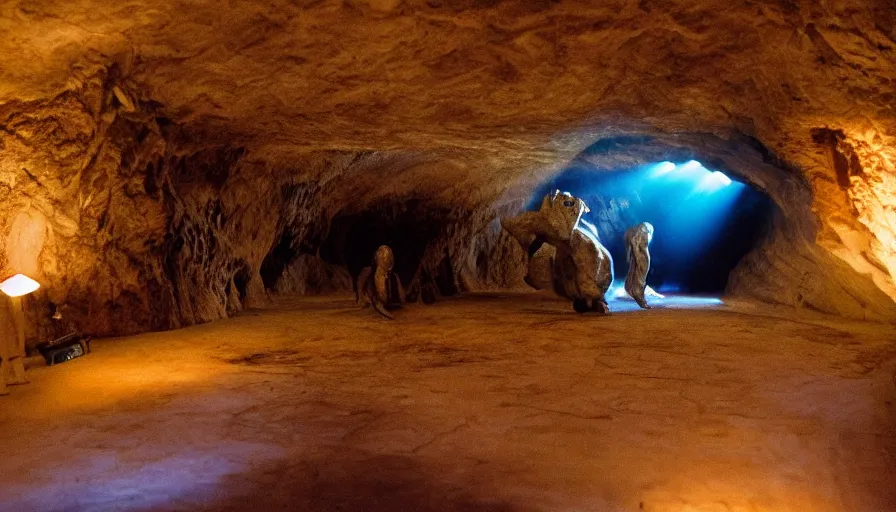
<point x="378" y="285"/>
<point x="637" y="239"/>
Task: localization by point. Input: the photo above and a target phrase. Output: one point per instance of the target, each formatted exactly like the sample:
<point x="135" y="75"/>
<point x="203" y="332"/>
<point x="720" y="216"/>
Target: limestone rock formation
<point x="163" y="163"/>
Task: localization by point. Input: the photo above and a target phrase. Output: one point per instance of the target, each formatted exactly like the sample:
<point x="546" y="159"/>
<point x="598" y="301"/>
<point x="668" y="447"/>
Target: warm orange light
<point x="19" y="285"/>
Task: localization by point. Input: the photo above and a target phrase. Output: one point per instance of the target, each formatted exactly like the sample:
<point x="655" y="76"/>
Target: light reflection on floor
<point x="134" y="461"/>
<point x="620" y="302"/>
<point x="136" y="485"/>
<point x="490" y="403"/>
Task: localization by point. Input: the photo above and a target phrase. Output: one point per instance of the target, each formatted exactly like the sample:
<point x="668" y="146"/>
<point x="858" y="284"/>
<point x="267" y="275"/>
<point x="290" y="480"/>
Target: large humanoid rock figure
<point x="637" y="239"/>
<point x="378" y="285"/>
<point x="564" y="254"/>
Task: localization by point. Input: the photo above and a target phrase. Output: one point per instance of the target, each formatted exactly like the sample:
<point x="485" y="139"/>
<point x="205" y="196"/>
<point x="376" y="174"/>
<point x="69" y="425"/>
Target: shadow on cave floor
<point x="352" y="481"/>
<point x="508" y="300"/>
<point x="474" y="403"/>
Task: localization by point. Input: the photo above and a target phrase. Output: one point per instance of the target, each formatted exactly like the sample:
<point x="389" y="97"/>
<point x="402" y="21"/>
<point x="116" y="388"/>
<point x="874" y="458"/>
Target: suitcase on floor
<point x="65" y="348"/>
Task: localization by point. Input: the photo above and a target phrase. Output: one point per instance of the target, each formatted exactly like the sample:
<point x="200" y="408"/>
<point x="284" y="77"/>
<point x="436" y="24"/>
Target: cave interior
<point x="196" y="189"/>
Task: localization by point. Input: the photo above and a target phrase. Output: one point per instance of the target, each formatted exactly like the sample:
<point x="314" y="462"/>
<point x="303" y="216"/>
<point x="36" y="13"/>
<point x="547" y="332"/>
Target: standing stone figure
<point x="563" y="253"/>
<point x="637" y="239"/>
<point x="378" y="285"/>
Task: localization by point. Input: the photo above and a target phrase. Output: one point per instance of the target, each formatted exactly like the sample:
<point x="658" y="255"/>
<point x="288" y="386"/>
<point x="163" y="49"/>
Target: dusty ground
<point x="481" y="403"/>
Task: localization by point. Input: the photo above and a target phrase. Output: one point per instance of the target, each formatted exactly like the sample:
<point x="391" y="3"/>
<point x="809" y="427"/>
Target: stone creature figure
<point x="378" y="285"/>
<point x="637" y="239"/>
<point x="564" y="253"/>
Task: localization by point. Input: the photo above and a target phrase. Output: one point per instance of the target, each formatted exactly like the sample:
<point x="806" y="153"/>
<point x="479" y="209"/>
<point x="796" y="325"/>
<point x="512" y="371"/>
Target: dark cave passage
<point x="408" y="227"/>
<point x="704" y="221"/>
<point x="280" y="256"/>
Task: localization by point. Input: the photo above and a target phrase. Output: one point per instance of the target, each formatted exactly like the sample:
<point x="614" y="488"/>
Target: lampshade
<point x="19" y="285"/>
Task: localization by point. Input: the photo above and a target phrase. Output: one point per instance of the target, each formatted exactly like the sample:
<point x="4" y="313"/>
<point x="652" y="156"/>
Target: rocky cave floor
<point x="485" y="402"/>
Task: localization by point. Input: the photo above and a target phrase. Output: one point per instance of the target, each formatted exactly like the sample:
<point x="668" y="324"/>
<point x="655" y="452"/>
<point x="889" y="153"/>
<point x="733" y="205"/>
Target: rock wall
<point x="130" y="224"/>
<point x="160" y="161"/>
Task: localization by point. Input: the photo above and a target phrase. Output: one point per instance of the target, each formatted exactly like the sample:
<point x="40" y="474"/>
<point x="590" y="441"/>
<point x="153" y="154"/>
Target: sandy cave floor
<point x="486" y="402"/>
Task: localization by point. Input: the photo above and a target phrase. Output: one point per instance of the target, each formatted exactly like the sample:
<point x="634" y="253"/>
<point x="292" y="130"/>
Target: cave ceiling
<point x="511" y="79"/>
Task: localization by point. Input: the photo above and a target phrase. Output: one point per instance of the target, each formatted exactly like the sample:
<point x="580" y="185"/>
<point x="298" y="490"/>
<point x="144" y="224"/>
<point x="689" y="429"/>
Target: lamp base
<point x="12" y="373"/>
<point x="18" y="372"/>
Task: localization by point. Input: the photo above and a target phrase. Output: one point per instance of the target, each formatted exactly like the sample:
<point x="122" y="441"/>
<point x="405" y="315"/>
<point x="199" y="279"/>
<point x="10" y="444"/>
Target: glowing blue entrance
<point x="705" y="222"/>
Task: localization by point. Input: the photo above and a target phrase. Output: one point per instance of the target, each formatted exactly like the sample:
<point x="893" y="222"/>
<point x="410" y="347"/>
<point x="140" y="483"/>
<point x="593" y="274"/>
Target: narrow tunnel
<point x="277" y="260"/>
<point x="408" y="227"/>
<point x="705" y="222"/>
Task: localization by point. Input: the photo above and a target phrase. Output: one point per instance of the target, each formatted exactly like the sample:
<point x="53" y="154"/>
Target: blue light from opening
<point x="692" y="170"/>
<point x="691" y="165"/>
<point x="663" y="168"/>
<point x="697" y="200"/>
<point x="688" y="204"/>
<point x="721" y="178"/>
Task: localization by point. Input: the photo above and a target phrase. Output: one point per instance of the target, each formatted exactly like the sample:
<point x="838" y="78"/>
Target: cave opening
<point x="276" y="261"/>
<point x="705" y="221"/>
<point x="241" y="281"/>
<point x="407" y="227"/>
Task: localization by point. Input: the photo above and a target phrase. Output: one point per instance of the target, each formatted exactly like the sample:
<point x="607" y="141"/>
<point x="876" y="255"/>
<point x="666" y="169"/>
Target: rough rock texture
<point x="159" y="161"/>
<point x="485" y="403"/>
<point x="309" y="275"/>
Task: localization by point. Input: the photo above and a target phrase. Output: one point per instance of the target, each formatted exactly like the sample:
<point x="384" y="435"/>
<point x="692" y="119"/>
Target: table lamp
<point x="13" y="363"/>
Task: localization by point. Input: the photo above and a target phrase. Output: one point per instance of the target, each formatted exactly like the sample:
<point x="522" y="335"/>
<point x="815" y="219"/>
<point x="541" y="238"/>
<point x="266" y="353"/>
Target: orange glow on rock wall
<point x="25" y="241"/>
<point x="873" y="193"/>
<point x="857" y="202"/>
